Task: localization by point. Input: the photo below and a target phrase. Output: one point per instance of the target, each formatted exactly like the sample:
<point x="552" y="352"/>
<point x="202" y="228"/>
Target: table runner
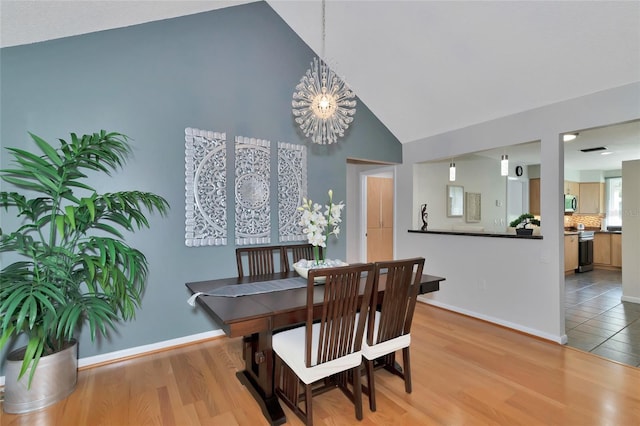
<point x="236" y="290"/>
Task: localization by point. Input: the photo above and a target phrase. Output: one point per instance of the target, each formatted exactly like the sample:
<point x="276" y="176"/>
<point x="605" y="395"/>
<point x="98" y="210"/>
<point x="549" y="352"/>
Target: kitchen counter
<point x="597" y="232"/>
<point x="477" y="234"/>
<point x="574" y="231"/>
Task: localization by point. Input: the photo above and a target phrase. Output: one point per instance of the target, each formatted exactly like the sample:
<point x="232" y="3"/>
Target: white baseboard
<point x="558" y="339"/>
<point x="630" y="299"/>
<point x="140" y="350"/>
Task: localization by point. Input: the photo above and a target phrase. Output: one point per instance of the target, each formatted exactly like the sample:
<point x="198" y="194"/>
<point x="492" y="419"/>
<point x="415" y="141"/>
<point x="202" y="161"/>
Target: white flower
<point x="318" y="225"/>
<point x="317" y="240"/>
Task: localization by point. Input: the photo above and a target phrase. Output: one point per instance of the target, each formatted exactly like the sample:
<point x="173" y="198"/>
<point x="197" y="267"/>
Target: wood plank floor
<point x="465" y="372"/>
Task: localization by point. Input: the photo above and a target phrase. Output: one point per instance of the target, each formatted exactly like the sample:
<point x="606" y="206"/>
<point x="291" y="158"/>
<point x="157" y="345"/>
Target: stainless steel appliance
<point x="570" y="203"/>
<point x="585" y="251"/>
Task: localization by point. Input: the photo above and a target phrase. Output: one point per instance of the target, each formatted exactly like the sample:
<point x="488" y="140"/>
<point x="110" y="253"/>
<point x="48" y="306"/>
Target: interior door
<point x="379" y="218"/>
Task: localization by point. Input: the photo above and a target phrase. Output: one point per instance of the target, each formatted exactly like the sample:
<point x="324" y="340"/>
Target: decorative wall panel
<point x="292" y="186"/>
<point x="252" y="189"/>
<point x="472" y="207"/>
<point x="205" y="188"/>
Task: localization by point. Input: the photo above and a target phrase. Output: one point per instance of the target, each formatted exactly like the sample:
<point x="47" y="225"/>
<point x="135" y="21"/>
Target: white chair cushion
<point x="290" y="347"/>
<point x="383" y="348"/>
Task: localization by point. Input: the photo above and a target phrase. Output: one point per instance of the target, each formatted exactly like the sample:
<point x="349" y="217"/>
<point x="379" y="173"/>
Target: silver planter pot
<point x="55" y="378"/>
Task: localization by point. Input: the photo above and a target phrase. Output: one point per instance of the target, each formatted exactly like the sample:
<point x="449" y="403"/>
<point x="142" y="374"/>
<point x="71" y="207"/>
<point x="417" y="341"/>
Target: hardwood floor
<point x="465" y="372"/>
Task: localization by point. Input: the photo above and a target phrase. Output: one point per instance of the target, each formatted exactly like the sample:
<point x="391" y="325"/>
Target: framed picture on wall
<point x="472" y="207"/>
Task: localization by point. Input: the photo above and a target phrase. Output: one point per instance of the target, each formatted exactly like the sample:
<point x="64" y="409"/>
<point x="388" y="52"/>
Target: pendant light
<point x="452" y="172"/>
<point x="323" y="104"/>
<point x="504" y="165"/>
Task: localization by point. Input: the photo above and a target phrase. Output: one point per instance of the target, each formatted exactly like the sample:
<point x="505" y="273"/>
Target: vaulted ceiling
<point x="422" y="67"/>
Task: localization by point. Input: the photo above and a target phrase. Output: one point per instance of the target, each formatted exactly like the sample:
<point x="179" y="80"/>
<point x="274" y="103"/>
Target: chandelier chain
<point x="324" y="31"/>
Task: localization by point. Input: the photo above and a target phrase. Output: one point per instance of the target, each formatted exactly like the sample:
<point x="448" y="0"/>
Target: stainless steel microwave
<point x="570" y="203"/>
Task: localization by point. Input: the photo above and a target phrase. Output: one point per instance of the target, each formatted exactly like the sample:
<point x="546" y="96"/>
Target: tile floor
<point x="597" y="321"/>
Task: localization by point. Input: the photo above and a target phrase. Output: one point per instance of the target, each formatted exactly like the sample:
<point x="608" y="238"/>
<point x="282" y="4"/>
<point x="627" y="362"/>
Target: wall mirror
<point x="455" y="200"/>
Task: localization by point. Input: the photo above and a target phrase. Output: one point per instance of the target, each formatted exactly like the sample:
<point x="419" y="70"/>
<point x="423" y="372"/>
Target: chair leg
<point x="307" y="403"/>
<point x="357" y="392"/>
<point x="370" y="384"/>
<point x="287" y="388"/>
<point x="407" y="369"/>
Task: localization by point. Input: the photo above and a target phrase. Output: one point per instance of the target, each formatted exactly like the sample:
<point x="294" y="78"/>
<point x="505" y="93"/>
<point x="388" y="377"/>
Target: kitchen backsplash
<point x="571" y="221"/>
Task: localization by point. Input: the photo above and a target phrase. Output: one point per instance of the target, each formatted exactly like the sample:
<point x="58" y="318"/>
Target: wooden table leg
<point x="258" y="376"/>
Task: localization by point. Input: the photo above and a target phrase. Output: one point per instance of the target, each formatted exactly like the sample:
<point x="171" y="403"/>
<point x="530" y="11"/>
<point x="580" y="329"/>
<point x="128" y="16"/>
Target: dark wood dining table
<point x="256" y="317"/>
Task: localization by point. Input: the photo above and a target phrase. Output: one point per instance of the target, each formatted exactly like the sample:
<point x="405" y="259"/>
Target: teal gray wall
<point x="232" y="70"/>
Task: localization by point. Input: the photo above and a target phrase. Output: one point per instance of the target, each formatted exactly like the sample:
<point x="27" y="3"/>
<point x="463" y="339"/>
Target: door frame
<point x="385" y="172"/>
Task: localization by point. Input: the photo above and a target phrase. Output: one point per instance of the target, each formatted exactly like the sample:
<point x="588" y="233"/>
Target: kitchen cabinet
<point x="616" y="250"/>
<point x="571" y="188"/>
<point x="602" y="249"/>
<point x="591" y="198"/>
<point x="570" y="253"/>
<point x="607" y="250"/>
<point x="534" y="196"/>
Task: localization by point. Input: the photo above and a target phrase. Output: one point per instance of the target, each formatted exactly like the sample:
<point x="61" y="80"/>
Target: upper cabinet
<point x="591" y="198"/>
<point x="571" y="188"/>
<point x="534" y="196"/>
<point x="379" y="218"/>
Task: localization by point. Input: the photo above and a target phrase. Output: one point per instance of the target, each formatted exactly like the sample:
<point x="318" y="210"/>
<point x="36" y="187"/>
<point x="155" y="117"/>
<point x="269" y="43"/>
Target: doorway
<point x="598" y="319"/>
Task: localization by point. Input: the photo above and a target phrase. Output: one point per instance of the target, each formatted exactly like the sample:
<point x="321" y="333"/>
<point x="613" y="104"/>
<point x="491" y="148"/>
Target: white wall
<point x="591" y="176"/>
<point x="515" y="282"/>
<point x="352" y="212"/>
<point x="631" y="231"/>
<point x="478" y="174"/>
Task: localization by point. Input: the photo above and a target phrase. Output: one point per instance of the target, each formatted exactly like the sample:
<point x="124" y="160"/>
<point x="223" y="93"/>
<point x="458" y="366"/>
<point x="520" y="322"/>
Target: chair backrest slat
<point x="402" y="282"/>
<point x="260" y="260"/>
<point x="341" y="330"/>
<point x="296" y="252"/>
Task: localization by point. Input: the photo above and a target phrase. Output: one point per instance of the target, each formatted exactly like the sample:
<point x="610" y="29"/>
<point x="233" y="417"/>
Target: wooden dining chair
<point x="332" y="337"/>
<point x="296" y="252"/>
<point x="389" y="322"/>
<point x="260" y="260"/>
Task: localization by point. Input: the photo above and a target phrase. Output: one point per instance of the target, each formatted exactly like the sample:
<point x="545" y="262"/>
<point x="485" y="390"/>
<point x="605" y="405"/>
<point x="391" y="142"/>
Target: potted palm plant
<point x="72" y="266"/>
<point x="521" y="224"/>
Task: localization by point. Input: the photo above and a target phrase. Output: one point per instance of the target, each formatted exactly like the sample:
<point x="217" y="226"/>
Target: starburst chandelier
<point x="323" y="104"/>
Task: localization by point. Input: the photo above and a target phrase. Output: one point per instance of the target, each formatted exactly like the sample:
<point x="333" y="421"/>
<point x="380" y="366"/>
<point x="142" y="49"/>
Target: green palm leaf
<point x="68" y="275"/>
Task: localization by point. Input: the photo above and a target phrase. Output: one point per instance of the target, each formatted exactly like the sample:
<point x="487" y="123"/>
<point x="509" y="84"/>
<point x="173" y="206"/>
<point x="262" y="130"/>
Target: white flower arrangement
<point x="318" y="225"/>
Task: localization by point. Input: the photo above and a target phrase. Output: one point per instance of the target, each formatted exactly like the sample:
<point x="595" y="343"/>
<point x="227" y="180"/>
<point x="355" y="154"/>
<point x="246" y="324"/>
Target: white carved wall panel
<point x="205" y="188"/>
<point x="292" y="186"/>
<point x="252" y="191"/>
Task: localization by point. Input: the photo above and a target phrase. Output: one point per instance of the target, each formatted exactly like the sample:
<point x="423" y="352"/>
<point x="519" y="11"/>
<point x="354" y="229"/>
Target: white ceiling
<point x="422" y="67"/>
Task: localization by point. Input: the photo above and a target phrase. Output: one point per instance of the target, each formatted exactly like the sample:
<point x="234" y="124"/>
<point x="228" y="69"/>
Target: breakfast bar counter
<point x="477" y="234"/>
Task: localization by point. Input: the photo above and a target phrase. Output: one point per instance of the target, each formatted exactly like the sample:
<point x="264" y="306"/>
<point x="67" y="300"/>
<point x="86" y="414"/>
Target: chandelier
<point x="322" y="103"/>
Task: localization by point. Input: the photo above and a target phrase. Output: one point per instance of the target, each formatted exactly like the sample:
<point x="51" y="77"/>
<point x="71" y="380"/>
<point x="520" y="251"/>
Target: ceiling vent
<point x="599" y="148"/>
